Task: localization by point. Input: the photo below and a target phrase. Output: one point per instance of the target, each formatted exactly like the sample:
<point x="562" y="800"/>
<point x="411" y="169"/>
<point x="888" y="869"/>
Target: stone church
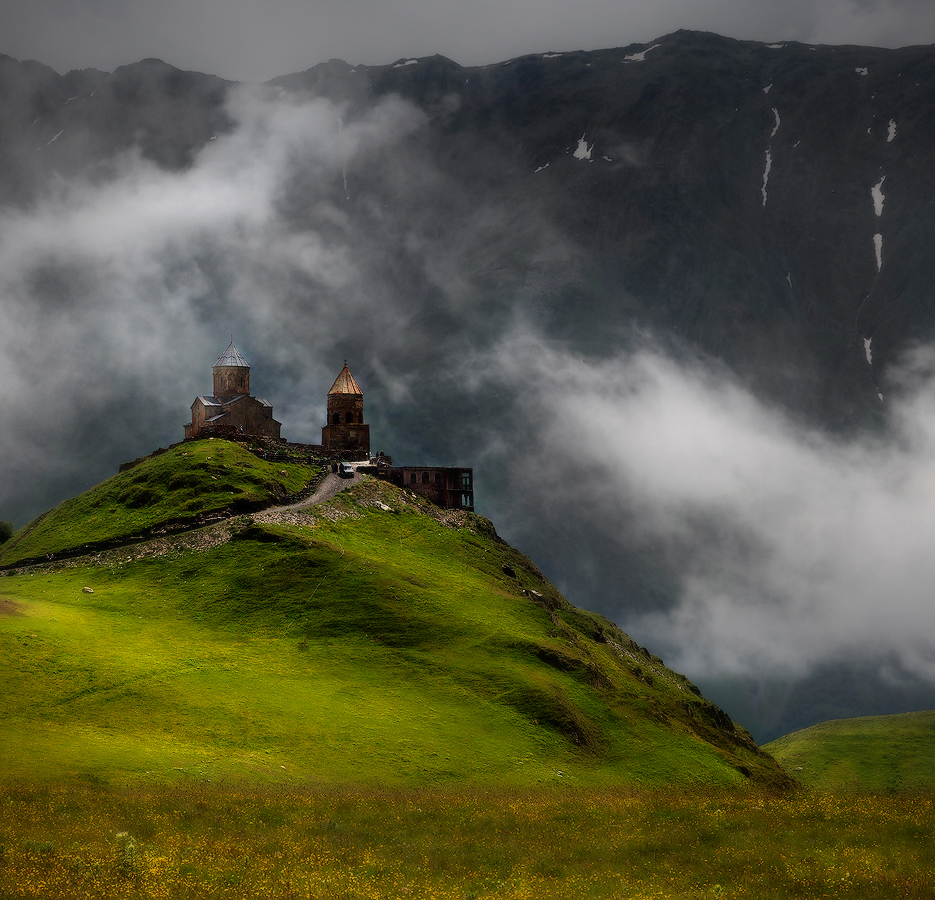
<point x="230" y="409"/>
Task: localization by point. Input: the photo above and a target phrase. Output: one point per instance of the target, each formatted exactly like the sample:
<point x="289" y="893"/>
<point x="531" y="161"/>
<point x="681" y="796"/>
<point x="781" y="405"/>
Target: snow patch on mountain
<point x="639" y="57"/>
<point x="868" y="351"/>
<point x="776" y="126"/>
<point x="540" y="168"/>
<point x="877" y="193"/>
<point x="769" y="165"/>
<point x="878" y="249"/>
<point x="551" y="55"/>
<point x="583" y="151"/>
<point x="766" y="89"/>
<point x="861" y="70"/>
<point x="890" y="130"/>
<point x="408" y="62"/>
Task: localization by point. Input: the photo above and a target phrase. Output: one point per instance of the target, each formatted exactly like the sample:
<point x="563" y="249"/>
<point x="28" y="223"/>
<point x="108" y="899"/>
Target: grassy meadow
<point x="374" y="698"/>
<point x="211" y="841"/>
<point x="870" y="753"/>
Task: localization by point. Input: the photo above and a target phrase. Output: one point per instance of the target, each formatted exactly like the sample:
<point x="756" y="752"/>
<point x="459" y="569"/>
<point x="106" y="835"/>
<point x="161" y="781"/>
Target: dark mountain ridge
<point x="666" y="205"/>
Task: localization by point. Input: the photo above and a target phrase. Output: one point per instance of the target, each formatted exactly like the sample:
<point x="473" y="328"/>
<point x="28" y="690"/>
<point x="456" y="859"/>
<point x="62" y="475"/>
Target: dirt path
<point x="332" y="484"/>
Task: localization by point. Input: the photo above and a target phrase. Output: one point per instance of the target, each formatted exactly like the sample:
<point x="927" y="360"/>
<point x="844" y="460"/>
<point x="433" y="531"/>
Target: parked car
<point x="345" y="470"/>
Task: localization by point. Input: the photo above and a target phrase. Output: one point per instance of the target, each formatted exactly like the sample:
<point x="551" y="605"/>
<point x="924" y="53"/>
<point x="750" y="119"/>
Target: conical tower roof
<point x="232" y="357"/>
<point x="345" y="384"/>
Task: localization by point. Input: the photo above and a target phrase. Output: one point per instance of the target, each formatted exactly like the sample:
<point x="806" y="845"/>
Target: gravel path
<point x="332" y="484"/>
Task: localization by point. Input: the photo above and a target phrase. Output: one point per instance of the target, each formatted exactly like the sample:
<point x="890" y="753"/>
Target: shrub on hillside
<point x="6" y="531"/>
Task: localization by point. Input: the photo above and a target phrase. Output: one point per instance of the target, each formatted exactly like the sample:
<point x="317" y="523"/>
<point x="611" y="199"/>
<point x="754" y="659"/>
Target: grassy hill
<point x="871" y="753"/>
<point x="177" y="487"/>
<point x="374" y="639"/>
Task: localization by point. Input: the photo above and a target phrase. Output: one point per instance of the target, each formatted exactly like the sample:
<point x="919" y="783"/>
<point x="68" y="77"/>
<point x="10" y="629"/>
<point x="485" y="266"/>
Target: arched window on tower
<point x="412" y="478"/>
<point x="336" y="419"/>
<point x="425" y="477"/>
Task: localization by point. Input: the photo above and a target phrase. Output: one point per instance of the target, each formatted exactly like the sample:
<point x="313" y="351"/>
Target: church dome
<point x="232" y="357"/>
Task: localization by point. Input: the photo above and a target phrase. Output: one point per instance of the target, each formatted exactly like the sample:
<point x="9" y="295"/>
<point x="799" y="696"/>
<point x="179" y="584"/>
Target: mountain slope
<point x="374" y="639"/>
<point x="871" y="753"/>
<point x="666" y="211"/>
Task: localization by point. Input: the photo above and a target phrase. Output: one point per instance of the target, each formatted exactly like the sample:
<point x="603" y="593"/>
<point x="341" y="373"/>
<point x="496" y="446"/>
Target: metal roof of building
<point x="345" y="384"/>
<point x="232" y="357"/>
<point x="223" y="401"/>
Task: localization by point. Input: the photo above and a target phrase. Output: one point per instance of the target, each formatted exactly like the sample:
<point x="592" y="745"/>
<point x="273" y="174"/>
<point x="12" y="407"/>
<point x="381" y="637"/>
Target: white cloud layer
<point x="111" y="289"/>
<point x="795" y="548"/>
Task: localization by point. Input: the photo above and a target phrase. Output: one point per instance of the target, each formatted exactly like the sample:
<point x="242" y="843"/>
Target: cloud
<point x="112" y="288"/>
<point x="309" y="232"/>
<point x="791" y="548"/>
<point x="878" y="23"/>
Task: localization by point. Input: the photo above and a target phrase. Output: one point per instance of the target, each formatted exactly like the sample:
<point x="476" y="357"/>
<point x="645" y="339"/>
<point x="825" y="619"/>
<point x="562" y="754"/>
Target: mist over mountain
<point x="672" y="302"/>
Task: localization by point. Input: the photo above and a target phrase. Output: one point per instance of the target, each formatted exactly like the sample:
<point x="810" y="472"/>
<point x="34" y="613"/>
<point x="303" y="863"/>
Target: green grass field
<point x="371" y="644"/>
<point x="382" y="647"/>
<point x="176" y="487"/>
<point x="871" y="753"/>
<point x="545" y="843"/>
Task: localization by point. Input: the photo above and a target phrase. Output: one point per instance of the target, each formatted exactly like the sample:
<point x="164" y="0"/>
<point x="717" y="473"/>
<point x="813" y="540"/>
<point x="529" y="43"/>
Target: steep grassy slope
<point x="873" y="753"/>
<point x="376" y="639"/>
<point x="176" y="487"/>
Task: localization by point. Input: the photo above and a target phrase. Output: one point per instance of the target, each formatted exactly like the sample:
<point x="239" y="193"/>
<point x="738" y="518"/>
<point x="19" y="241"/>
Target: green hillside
<point x="177" y="487"/>
<point x="374" y="639"/>
<point x="871" y="753"/>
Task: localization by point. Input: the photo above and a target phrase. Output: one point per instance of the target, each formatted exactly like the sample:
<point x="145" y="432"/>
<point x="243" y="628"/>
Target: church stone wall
<point x="229" y="381"/>
<point x="346" y="437"/>
<point x="448" y="486"/>
<point x="345" y="409"/>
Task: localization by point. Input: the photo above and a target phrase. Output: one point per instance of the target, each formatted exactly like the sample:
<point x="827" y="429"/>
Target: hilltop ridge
<point x="373" y="638"/>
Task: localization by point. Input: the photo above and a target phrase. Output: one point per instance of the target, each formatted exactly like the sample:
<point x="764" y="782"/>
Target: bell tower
<point x="345" y="429"/>
<point x="231" y="373"/>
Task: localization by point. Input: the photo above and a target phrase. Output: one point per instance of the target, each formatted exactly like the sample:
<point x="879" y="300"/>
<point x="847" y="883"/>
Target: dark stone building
<point x="231" y="412"/>
<point x="448" y="486"/>
<point x="231" y="409"/>
<point x="346" y="429"/>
